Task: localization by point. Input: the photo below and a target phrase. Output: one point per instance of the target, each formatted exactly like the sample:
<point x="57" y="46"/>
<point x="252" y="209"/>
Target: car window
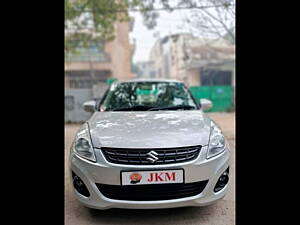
<point x="147" y="95"/>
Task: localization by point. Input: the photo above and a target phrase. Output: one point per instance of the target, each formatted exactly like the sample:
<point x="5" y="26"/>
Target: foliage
<point x="217" y="21"/>
<point x="87" y="20"/>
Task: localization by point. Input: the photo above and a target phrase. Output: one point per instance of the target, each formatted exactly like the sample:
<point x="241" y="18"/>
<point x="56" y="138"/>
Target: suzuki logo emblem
<point x="152" y="156"/>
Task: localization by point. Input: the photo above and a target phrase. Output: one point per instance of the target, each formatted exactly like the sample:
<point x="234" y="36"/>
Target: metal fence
<point x="74" y="99"/>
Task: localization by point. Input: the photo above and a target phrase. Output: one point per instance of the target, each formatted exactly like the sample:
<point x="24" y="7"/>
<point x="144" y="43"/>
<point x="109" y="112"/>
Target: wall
<point x="157" y="59"/>
<point x="193" y="77"/>
<point x="184" y="55"/>
<point x="119" y="53"/>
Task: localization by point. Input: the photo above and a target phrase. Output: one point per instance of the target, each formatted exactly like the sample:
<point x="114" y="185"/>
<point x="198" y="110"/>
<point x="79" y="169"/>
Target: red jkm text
<point x="163" y="176"/>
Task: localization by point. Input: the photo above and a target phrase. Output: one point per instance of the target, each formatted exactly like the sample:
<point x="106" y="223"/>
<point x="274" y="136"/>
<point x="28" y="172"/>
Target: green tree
<point x="87" y="20"/>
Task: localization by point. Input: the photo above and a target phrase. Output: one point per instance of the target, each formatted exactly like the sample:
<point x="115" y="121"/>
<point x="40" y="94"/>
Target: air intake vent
<point x="152" y="192"/>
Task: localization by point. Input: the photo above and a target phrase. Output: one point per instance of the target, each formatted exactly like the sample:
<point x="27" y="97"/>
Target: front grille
<point x="151" y="192"/>
<point x="132" y="156"/>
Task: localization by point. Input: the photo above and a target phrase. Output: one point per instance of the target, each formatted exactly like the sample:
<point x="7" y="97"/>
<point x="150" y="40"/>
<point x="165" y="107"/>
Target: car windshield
<point x="144" y="96"/>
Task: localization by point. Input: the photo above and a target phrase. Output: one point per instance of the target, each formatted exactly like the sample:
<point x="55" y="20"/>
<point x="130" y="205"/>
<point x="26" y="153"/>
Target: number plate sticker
<point x="152" y="177"/>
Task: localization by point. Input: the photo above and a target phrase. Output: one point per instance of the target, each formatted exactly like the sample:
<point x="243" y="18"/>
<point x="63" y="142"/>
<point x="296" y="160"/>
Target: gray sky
<point x="167" y="23"/>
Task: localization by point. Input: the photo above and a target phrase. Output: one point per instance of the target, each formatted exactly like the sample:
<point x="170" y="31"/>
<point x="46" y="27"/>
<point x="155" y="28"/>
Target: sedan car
<point x="148" y="144"/>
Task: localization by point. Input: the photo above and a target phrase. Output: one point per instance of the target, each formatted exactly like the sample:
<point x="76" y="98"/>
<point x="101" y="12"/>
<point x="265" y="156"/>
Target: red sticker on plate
<point x="135" y="178"/>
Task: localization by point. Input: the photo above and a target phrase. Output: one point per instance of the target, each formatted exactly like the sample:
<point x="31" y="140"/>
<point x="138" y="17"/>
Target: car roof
<point x="150" y="80"/>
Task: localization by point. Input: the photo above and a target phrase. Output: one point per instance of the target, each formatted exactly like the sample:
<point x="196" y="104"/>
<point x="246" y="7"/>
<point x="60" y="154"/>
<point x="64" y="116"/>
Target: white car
<point x="148" y="145"/>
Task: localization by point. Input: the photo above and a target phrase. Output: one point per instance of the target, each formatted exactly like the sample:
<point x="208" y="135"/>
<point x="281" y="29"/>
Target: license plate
<point x="152" y="177"/>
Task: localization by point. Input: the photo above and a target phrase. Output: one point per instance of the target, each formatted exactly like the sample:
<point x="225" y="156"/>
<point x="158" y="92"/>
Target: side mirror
<point x="205" y="104"/>
<point x="89" y="106"/>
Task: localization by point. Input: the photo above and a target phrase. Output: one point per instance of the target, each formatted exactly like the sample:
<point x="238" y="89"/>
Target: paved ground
<point x="222" y="213"/>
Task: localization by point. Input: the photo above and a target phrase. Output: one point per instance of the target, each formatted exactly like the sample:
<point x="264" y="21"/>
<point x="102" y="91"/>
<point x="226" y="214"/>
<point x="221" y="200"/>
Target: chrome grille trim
<point x="132" y="156"/>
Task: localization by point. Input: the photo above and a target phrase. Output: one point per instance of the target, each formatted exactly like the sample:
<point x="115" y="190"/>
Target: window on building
<point x="215" y="77"/>
<point x="94" y="53"/>
<point x="86" y="78"/>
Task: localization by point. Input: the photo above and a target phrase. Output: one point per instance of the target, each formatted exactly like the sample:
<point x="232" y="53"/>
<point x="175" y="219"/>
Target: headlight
<point x="82" y="145"/>
<point x="216" y="141"/>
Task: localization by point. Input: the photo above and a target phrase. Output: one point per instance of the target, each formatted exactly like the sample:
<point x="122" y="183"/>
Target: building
<point x="195" y="61"/>
<point x="101" y="61"/>
<point x="144" y="69"/>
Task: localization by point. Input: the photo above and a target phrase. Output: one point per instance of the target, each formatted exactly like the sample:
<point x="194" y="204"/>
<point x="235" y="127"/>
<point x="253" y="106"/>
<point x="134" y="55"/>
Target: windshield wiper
<point x="133" y="108"/>
<point x="173" y="107"/>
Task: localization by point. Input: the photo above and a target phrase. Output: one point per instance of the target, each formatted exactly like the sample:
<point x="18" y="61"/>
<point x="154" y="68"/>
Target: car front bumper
<point x="107" y="173"/>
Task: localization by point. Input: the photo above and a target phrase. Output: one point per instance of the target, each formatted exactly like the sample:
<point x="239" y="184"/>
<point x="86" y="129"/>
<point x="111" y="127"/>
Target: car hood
<point x="153" y="129"/>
